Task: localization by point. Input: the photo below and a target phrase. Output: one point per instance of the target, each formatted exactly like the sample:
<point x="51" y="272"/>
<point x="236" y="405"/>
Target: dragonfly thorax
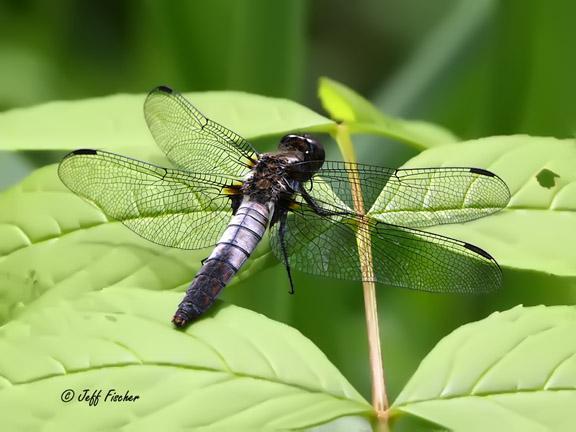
<point x="269" y="180"/>
<point x="277" y="175"/>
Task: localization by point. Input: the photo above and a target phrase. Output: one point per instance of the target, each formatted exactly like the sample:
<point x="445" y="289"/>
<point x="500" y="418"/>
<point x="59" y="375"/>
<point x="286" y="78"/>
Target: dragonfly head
<point x="308" y="150"/>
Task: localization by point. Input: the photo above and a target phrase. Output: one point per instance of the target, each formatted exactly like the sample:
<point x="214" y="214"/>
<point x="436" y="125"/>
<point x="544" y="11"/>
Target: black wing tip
<point x="79" y="152"/>
<point x="483" y="172"/>
<point x="164" y="89"/>
<point x="486" y="173"/>
<point x="479" y="251"/>
<point x="83" y="152"/>
<point x="496" y="272"/>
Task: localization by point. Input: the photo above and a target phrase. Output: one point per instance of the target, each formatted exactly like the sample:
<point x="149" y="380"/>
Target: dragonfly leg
<point x="317" y="209"/>
<point x="282" y="234"/>
<point x="235" y="201"/>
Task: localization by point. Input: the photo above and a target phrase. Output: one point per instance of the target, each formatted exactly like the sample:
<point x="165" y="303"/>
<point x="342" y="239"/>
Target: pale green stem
<point x="363" y="242"/>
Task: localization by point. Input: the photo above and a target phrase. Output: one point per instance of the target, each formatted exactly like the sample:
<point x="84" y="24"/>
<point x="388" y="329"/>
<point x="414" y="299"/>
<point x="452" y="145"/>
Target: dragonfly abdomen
<point x="242" y="235"/>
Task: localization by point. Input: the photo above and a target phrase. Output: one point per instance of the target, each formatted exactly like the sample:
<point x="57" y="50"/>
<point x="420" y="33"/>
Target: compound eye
<point x="310" y="145"/>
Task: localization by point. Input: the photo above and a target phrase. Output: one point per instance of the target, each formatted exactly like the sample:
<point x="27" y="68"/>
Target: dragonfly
<point x="223" y="193"/>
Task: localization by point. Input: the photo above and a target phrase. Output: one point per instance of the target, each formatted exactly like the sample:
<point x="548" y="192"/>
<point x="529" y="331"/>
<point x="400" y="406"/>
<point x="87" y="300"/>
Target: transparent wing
<point x="402" y="257"/>
<point x="394" y="202"/>
<point x="418" y="197"/>
<point x="166" y="206"/>
<point x="192" y="141"/>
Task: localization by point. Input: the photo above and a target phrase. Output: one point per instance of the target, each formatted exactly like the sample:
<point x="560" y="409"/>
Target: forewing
<point x="402" y="257"/>
<point x="166" y="206"/>
<point x="415" y="198"/>
<point x="192" y="141"/>
<point x="423" y="197"/>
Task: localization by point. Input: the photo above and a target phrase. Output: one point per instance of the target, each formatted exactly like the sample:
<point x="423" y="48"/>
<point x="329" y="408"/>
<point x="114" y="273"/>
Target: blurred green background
<point x="478" y="67"/>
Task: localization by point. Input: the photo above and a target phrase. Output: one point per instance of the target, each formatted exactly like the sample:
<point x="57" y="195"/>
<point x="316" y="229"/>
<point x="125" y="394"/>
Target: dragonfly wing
<point x="192" y="141"/>
<point x="402" y="257"/>
<point x="324" y="246"/>
<point x="416" y="259"/>
<point x="422" y="197"/>
<point x="416" y="198"/>
<point x="166" y="206"/>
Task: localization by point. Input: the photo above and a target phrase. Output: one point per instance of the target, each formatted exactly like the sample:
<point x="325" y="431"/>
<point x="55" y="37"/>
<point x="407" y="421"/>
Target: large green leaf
<point x="54" y="244"/>
<point x="537" y="230"/>
<point x="514" y="370"/>
<point x="232" y="370"/>
<point x="117" y="122"/>
<point x="344" y="104"/>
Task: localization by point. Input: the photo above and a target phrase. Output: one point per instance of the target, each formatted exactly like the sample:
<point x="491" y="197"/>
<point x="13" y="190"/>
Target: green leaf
<point x="232" y="370"/>
<point x="536" y="231"/>
<point x="515" y="370"/>
<point x="117" y="122"/>
<point x="347" y="106"/>
<point x="55" y="244"/>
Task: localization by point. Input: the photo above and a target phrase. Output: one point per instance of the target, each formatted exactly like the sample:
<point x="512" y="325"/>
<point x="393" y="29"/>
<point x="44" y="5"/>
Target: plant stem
<point x="363" y="241"/>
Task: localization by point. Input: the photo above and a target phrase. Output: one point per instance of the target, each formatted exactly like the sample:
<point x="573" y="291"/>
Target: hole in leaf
<point x="547" y="178"/>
